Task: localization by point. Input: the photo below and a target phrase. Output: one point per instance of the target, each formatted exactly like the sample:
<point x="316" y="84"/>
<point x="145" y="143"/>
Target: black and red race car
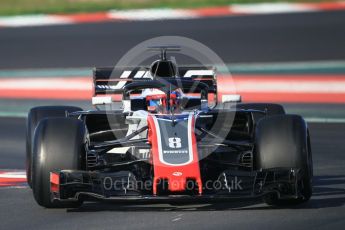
<point x="167" y="143"/>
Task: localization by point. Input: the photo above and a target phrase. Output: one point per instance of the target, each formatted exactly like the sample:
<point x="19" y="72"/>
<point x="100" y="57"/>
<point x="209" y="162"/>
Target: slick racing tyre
<point x="58" y="144"/>
<point x="269" y="108"/>
<point x="34" y="117"/>
<point x="283" y="141"/>
<point x="272" y="109"/>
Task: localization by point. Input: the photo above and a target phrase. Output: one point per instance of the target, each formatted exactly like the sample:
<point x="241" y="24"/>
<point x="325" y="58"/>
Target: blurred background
<point x="286" y="45"/>
<point x="15" y="7"/>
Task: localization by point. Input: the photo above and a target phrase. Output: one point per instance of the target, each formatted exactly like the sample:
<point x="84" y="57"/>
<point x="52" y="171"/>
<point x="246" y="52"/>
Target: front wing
<point x="123" y="186"/>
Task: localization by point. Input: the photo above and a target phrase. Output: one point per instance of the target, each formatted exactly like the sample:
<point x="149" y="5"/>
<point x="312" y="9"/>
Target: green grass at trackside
<point x="18" y="7"/>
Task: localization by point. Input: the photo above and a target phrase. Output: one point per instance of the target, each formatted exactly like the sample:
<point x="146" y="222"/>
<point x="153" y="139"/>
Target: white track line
<point x="294" y="86"/>
<point x="167" y="13"/>
<point x="151" y="14"/>
<point x="271" y="8"/>
<point x="33" y="20"/>
<point x="13" y="174"/>
<point x="46" y="84"/>
<point x="324" y="120"/>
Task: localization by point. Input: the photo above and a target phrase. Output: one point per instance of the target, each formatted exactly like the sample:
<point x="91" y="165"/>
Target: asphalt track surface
<point x="261" y="38"/>
<point x="324" y="211"/>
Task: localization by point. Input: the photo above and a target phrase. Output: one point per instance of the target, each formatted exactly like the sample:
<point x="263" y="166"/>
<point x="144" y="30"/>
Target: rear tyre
<point x="283" y="142"/>
<point x="35" y="115"/>
<point x="58" y="144"/>
<point x="272" y="109"/>
<point x="269" y="108"/>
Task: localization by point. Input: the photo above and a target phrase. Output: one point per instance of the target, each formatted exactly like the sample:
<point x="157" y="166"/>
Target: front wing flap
<point x="123" y="186"/>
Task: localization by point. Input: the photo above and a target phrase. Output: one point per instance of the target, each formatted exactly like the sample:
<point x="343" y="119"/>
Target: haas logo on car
<point x="175" y="142"/>
<point x="177" y="174"/>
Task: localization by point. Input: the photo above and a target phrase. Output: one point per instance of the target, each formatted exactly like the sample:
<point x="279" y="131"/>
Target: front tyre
<point x="283" y="141"/>
<point x="35" y="115"/>
<point x="58" y="144"/>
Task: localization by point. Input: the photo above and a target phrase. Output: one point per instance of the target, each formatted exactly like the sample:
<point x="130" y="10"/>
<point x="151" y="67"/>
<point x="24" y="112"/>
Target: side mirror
<point x="101" y="100"/>
<point x="107" y="103"/>
<point x="126" y="106"/>
<point x="231" y="98"/>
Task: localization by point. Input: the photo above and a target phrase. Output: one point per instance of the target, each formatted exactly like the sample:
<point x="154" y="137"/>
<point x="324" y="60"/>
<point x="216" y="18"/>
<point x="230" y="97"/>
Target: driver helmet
<point x="175" y="100"/>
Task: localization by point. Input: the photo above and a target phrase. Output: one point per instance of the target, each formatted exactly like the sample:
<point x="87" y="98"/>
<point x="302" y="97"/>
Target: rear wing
<point x="108" y="80"/>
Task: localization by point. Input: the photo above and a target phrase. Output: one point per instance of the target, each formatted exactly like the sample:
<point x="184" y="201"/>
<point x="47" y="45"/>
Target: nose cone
<point x="174" y="153"/>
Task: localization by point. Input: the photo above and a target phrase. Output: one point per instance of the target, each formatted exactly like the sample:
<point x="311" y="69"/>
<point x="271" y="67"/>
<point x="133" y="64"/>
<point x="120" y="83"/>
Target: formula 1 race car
<point x="167" y="143"/>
